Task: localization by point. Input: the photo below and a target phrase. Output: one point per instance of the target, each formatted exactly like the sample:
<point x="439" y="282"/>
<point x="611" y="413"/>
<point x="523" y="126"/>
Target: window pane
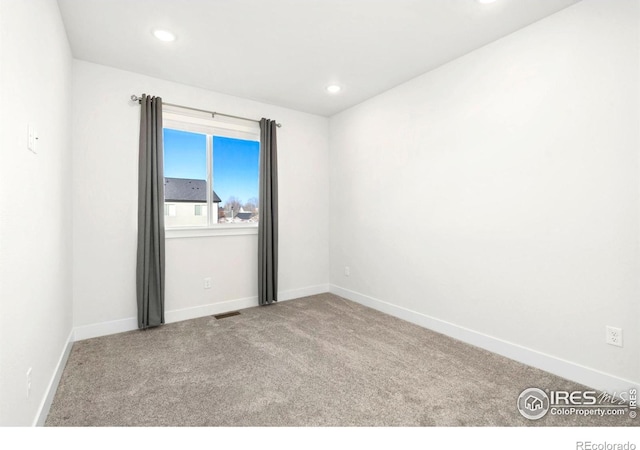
<point x="185" y="177"/>
<point x="200" y="210"/>
<point x="235" y="179"/>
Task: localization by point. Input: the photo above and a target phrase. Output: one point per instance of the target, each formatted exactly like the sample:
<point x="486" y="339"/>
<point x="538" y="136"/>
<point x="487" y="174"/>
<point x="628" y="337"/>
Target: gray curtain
<point x="268" y="210"/>
<point x="150" y="264"/>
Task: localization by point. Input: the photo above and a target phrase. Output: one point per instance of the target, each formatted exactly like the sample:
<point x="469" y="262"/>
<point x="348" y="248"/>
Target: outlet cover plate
<point x="614" y="336"/>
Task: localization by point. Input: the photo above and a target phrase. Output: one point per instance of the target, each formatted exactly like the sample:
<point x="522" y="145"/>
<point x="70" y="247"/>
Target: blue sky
<point x="235" y="162"/>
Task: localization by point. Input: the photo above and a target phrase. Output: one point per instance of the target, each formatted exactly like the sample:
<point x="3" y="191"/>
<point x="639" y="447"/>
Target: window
<point x="169" y="210"/>
<point x="210" y="170"/>
<point x="200" y="210"/>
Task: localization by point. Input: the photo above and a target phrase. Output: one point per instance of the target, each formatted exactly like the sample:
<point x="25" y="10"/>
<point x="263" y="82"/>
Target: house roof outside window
<point x="187" y="190"/>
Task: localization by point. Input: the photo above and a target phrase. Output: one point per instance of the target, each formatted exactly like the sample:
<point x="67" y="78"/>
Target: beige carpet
<point x="317" y="361"/>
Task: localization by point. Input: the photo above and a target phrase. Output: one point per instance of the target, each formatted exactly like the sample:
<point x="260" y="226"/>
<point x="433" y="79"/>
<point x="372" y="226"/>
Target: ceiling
<point x="285" y="52"/>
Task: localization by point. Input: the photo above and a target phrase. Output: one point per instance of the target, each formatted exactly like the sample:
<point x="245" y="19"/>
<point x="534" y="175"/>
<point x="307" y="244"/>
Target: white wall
<point x="510" y="180"/>
<point x="35" y="204"/>
<point x="105" y="142"/>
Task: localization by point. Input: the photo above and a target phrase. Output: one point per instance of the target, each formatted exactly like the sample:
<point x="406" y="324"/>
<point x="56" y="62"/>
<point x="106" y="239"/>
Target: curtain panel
<point x="150" y="277"/>
<point x="268" y="210"/>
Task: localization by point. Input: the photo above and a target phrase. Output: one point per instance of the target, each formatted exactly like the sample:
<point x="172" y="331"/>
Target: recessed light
<point x="164" y="35"/>
<point x="485" y="2"/>
<point x="333" y="89"/>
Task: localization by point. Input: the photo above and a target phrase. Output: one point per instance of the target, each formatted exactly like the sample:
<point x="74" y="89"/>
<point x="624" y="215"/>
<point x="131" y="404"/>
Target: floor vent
<point x="225" y="315"/>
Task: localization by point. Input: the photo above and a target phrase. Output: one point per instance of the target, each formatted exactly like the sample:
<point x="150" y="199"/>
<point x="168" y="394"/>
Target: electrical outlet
<point x="614" y="336"/>
<point x="347" y="271"/>
<point x="28" y="382"/>
<point x="207" y="283"/>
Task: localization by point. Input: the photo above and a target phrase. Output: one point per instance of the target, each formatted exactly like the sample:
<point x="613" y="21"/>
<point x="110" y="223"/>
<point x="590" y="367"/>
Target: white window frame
<point x="199" y="122"/>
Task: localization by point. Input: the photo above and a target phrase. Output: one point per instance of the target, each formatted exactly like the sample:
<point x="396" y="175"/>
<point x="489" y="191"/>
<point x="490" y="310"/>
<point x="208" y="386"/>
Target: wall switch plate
<point x="207" y="283"/>
<point x="614" y="336"/>
<point x="347" y="271"/>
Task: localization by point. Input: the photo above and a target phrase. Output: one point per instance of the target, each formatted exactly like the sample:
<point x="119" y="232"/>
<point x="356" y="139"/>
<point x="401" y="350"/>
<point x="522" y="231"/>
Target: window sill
<point x="219" y="230"/>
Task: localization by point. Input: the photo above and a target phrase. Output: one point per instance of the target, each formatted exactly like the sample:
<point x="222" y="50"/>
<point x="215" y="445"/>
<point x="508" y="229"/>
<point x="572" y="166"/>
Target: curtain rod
<point x="135" y="98"/>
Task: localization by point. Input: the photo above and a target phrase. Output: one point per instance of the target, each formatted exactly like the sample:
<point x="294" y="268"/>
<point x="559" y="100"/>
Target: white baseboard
<point x="105" y="328"/>
<point x="178" y="315"/>
<point x="303" y="292"/>
<point x="50" y="393"/>
<point x="565" y="369"/>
